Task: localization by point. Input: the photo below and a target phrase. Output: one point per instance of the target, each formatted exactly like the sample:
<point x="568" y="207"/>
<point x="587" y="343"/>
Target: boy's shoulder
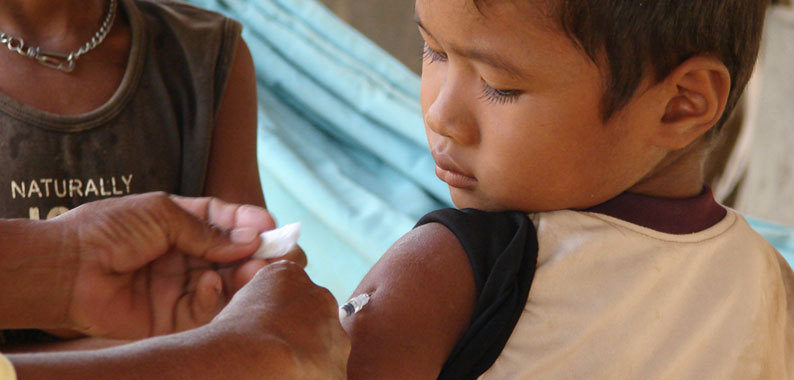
<point x="567" y="231"/>
<point x="489" y="237"/>
<point x="502" y="251"/>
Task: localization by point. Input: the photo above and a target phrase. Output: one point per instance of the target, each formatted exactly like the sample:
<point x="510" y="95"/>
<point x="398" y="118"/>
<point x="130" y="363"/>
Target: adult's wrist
<point x="247" y="354"/>
<point x="38" y="264"/>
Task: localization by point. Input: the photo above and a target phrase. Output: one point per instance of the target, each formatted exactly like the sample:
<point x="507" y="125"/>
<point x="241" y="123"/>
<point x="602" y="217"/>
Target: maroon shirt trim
<point x="672" y="216"/>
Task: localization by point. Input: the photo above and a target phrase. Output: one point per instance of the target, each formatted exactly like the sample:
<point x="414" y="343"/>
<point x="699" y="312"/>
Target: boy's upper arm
<point x="422" y="297"/>
<point x="232" y="173"/>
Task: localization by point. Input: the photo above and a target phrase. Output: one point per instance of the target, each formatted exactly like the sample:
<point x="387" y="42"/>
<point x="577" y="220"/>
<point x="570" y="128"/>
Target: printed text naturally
<point x="71" y="188"/>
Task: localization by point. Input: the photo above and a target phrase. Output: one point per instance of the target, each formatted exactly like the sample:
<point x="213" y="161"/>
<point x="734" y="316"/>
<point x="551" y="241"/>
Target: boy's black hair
<point x="632" y="36"/>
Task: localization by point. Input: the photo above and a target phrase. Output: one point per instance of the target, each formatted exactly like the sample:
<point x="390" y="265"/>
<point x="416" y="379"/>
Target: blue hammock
<point x="341" y="139"/>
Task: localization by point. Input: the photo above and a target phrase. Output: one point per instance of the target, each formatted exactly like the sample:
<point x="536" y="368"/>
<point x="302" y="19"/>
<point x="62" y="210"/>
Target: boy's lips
<point x="448" y="171"/>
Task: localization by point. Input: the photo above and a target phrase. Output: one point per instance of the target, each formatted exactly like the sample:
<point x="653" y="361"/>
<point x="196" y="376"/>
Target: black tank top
<point x="153" y="134"/>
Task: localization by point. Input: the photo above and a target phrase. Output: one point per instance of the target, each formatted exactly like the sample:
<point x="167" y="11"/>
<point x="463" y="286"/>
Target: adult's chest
<point x="48" y="171"/>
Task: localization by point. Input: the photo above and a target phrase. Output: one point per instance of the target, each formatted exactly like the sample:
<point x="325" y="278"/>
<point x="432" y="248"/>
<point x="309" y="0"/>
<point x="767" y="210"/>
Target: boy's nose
<point x="449" y="116"/>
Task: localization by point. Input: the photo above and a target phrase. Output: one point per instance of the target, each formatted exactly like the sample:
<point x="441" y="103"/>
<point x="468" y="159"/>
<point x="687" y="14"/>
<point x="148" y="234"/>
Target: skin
<point x="246" y="341"/>
<point x="63" y="25"/>
<point x="421" y="298"/>
<point x="127" y="267"/>
<point x="233" y="174"/>
<point x="140" y="265"/>
<point x="512" y="114"/>
<point x="511" y="144"/>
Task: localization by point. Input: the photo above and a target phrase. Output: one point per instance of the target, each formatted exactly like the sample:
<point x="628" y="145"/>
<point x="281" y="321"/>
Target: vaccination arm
<point x="422" y="297"/>
<point x="232" y="172"/>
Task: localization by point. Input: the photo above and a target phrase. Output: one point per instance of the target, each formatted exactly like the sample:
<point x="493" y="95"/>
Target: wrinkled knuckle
<point x="156" y="200"/>
<point x="325" y="299"/>
<point x="325" y="293"/>
<point x="156" y="196"/>
<point x="163" y="206"/>
<point x="279" y="270"/>
<point x="217" y="208"/>
<point x="288" y="267"/>
<point x="299" y="256"/>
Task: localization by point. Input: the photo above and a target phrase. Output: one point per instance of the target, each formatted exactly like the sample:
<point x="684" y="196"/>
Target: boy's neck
<point x="678" y="175"/>
<point x="671" y="216"/>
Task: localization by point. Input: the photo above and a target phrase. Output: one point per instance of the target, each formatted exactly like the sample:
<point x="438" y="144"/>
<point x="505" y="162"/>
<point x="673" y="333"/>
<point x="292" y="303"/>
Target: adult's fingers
<point x="227" y="215"/>
<point x="235" y="277"/>
<point x="245" y="272"/>
<point x="195" y="237"/>
<point x="200" y="306"/>
<point x="129" y="232"/>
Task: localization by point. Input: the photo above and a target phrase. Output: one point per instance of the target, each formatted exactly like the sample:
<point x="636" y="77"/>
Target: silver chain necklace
<point x="61" y="61"/>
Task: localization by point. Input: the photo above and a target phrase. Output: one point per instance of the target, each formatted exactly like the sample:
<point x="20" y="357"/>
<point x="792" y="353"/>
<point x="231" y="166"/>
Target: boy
<point x="592" y="117"/>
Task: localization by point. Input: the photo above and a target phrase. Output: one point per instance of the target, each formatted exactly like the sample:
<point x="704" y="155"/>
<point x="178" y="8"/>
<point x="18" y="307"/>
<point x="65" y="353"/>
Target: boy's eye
<point x="496" y="96"/>
<point x="433" y="56"/>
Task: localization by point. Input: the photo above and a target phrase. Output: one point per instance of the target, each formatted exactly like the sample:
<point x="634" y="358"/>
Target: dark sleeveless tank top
<point x="153" y="134"/>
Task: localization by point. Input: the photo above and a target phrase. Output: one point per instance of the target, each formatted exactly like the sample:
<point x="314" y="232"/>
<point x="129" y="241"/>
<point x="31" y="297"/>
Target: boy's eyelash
<point x="493" y="95"/>
<point x="489" y="93"/>
<point x="432" y="56"/>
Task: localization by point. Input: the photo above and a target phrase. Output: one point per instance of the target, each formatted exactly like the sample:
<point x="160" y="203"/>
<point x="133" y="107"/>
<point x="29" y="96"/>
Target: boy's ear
<point x="695" y="93"/>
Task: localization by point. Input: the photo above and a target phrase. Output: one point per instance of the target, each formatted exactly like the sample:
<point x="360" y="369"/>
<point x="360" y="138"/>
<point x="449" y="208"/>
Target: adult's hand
<point x="144" y="263"/>
<point x="279" y="326"/>
<point x="281" y="304"/>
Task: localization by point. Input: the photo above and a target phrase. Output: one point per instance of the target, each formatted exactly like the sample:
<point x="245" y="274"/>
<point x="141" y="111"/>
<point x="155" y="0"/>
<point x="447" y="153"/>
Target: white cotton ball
<point x="278" y="242"/>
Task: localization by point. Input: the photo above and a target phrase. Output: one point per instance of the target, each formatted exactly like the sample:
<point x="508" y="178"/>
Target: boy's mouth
<point x="448" y="171"/>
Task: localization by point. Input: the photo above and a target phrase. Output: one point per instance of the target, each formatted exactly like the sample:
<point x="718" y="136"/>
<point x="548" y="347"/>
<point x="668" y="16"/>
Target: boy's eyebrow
<point x="477" y="55"/>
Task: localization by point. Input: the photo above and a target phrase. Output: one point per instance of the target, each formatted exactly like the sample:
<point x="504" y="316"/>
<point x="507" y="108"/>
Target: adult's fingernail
<point x="243" y="235"/>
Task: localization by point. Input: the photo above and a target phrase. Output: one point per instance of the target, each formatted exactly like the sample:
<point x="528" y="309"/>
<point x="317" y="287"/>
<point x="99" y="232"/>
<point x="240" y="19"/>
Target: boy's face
<point x="511" y="109"/>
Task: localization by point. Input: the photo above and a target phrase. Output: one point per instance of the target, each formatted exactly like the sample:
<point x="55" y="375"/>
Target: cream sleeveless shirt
<point x="614" y="300"/>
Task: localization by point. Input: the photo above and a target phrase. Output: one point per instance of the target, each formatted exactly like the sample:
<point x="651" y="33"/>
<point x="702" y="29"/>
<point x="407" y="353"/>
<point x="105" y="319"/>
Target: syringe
<point x="353" y="306"/>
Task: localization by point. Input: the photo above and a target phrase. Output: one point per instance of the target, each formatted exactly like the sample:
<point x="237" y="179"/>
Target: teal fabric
<point x="341" y="139"/>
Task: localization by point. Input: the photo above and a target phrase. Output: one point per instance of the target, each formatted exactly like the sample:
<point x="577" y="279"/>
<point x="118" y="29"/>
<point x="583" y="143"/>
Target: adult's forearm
<point x="192" y="355"/>
<point x="36" y="272"/>
<point x="73" y="344"/>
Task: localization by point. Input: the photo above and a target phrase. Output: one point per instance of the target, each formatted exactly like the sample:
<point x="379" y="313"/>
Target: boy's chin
<point x="479" y="201"/>
<point x="469" y="199"/>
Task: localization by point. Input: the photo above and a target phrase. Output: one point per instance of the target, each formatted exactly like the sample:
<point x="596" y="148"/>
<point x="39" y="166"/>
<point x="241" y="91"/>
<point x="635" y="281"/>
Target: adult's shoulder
<point x="190" y="25"/>
<point x="180" y="12"/>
